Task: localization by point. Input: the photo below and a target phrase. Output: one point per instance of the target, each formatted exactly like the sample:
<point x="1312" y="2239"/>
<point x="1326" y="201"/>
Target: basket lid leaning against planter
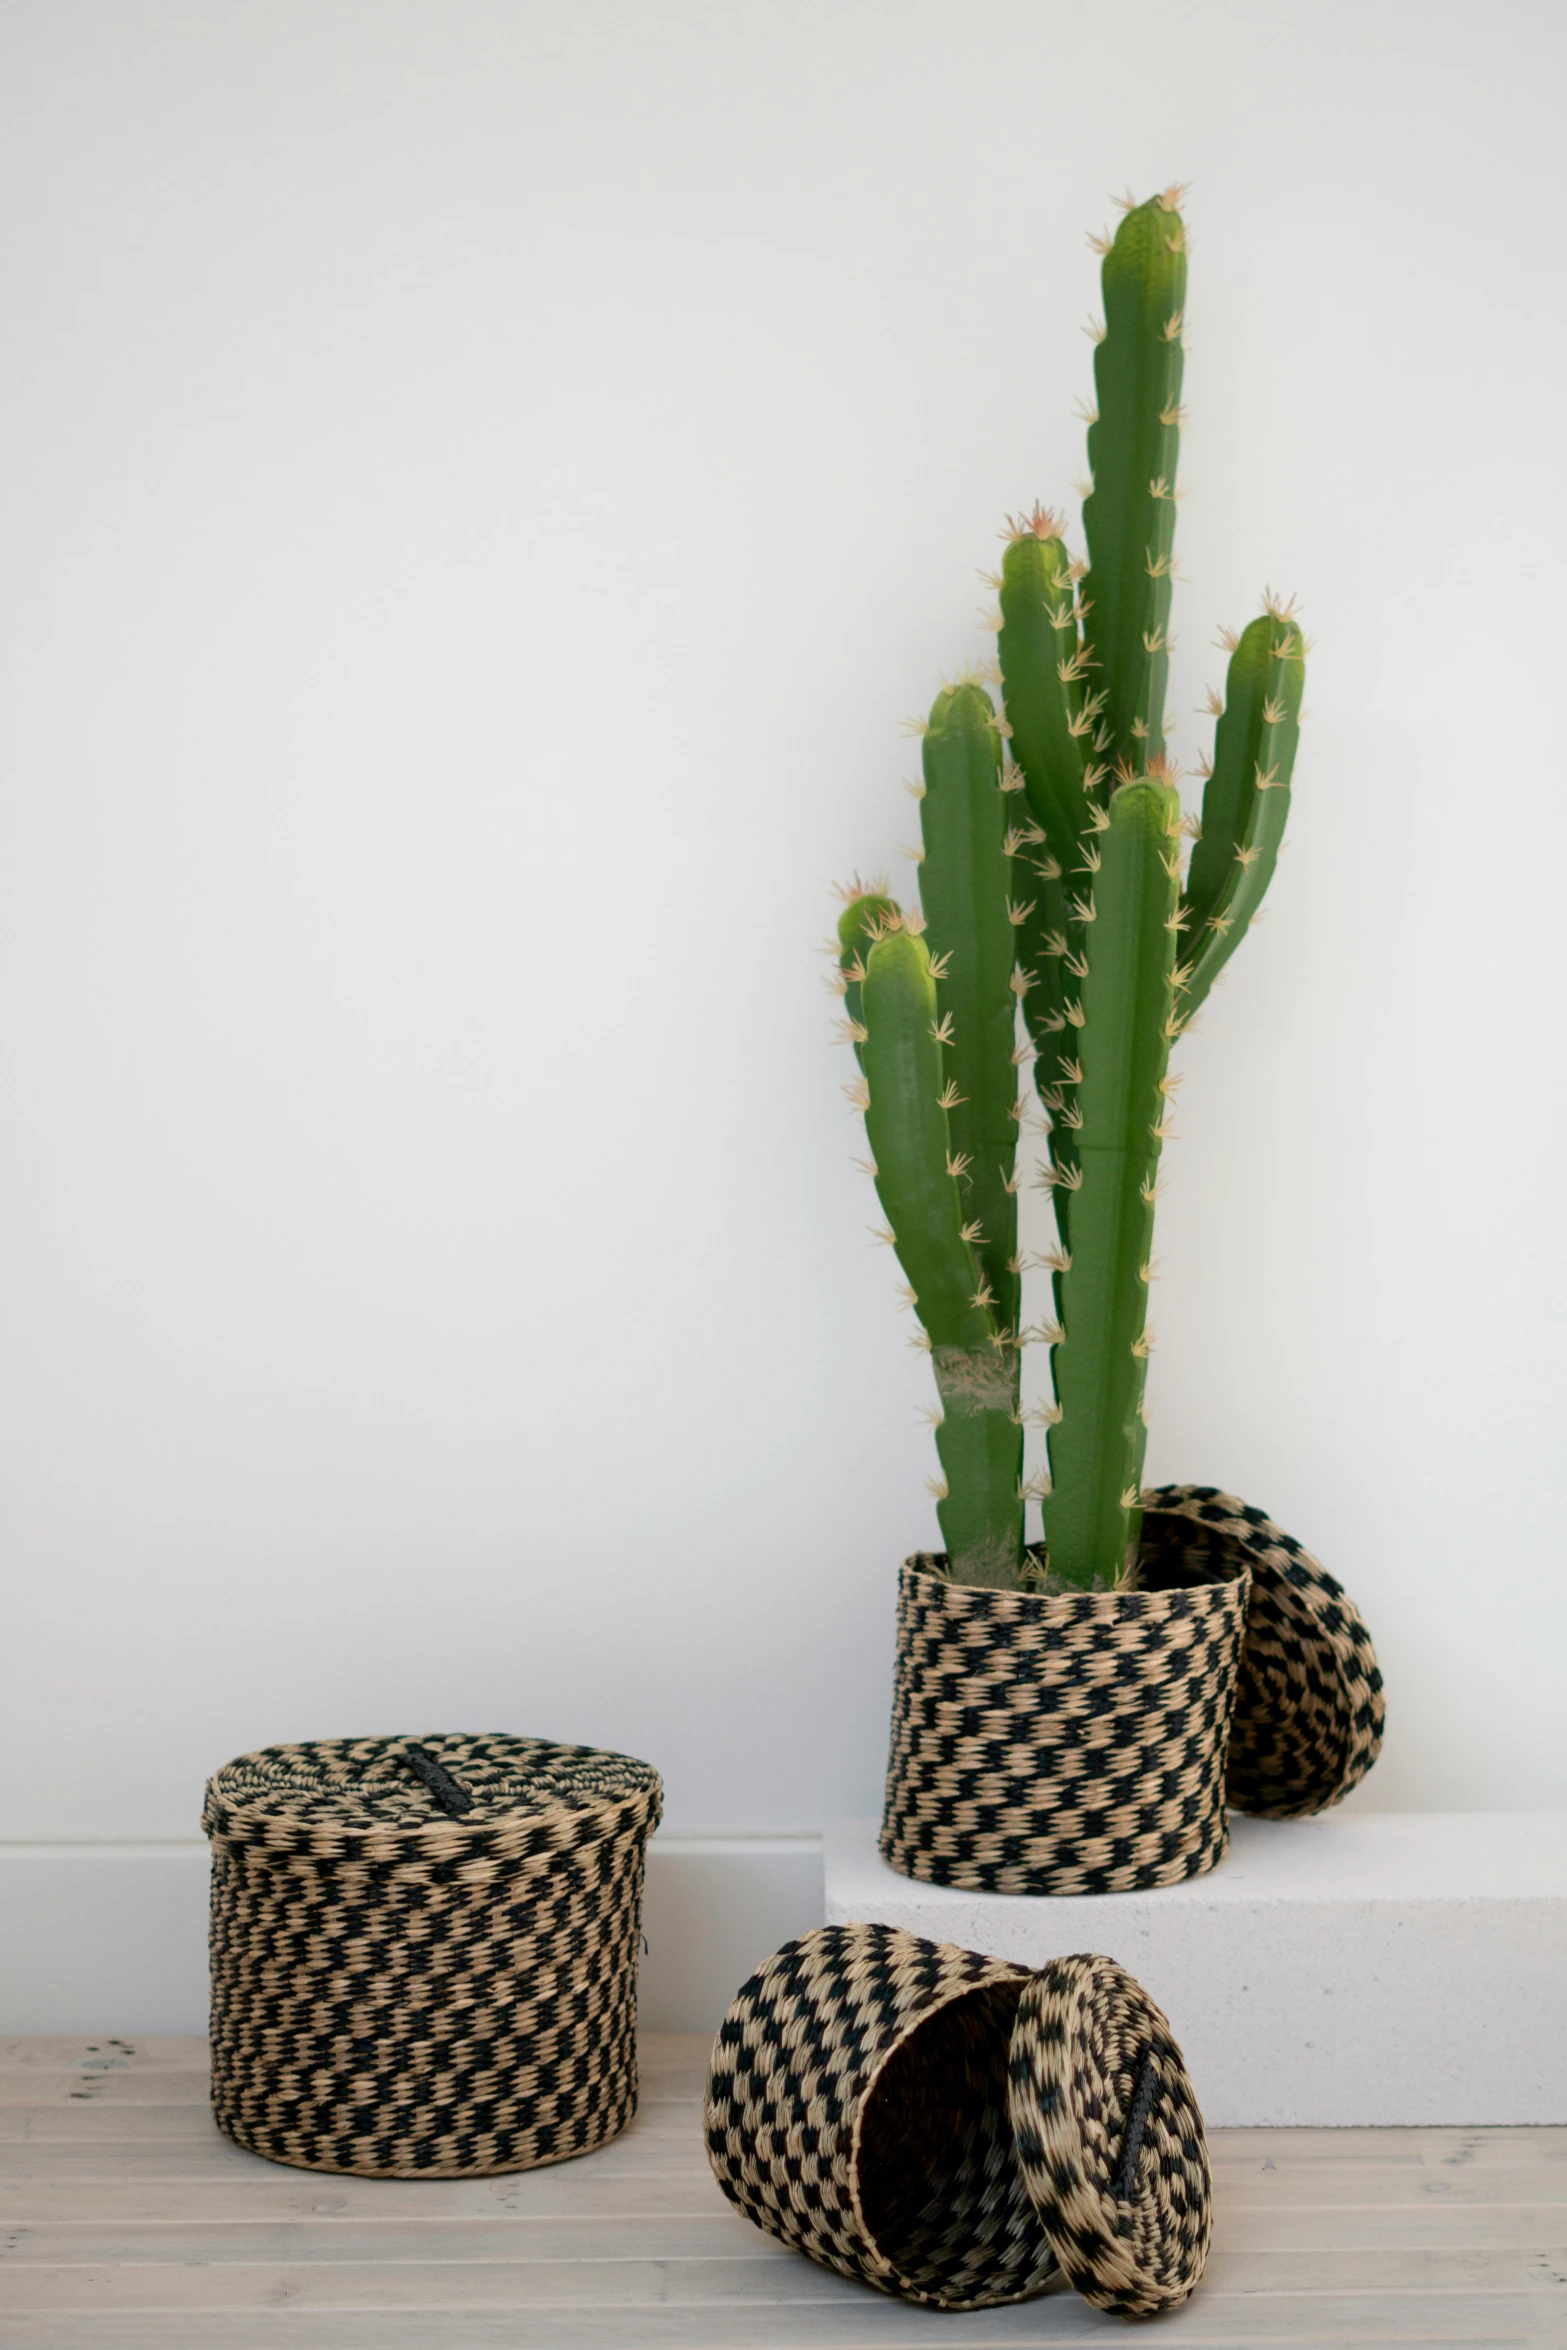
<point x="423" y="1951"/>
<point x="1062" y="1712"/>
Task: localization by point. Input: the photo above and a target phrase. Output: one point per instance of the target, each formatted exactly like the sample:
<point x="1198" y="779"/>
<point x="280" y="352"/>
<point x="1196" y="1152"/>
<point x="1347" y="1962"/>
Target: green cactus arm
<point x="906" y="1123"/>
<point x="1048" y="980"/>
<point x="1099" y="1359"/>
<point x="1133" y="445"/>
<point x="965" y="885"/>
<point x="980" y="1439"/>
<point x="1049" y="968"/>
<point x="1042" y="670"/>
<point x="1051" y="718"/>
<point x="866" y="914"/>
<point x="1054" y="939"/>
<point x="1246" y="802"/>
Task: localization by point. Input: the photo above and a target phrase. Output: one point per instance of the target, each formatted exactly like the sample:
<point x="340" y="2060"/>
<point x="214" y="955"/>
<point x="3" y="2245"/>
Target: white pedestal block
<point x="1379" y="1968"/>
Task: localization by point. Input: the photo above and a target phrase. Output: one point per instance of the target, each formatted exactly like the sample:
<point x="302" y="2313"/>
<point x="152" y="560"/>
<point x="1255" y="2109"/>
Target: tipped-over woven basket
<point x="1064" y="1743"/>
<point x="424" y="1951"/>
<point x="952" y="2129"/>
<point x="857" y="2109"/>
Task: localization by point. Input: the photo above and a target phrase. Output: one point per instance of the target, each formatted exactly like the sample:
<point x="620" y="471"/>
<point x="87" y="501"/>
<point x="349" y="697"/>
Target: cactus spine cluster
<point x="1051" y="874"/>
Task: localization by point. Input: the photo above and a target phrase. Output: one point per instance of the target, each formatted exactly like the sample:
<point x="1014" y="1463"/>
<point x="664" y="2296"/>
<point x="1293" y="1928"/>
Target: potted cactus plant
<point x="1063" y="1710"/>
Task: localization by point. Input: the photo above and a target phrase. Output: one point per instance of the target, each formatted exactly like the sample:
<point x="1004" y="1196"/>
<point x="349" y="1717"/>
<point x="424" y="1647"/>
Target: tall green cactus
<point x="1052" y="876"/>
<point x="940" y="1092"/>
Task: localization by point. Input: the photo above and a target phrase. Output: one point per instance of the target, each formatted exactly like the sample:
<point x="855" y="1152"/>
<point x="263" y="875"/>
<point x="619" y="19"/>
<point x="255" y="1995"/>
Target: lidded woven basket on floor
<point x="424" y="1951"/>
<point x="959" y="2131"/>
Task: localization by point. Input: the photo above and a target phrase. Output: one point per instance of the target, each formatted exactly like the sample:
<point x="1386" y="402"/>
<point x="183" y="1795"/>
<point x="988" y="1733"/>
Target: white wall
<point x="483" y="483"/>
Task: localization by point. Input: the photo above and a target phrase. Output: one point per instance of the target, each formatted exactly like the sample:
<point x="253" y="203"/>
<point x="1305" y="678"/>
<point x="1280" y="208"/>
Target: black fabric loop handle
<point x="453" y="1798"/>
<point x="1136" y="2123"/>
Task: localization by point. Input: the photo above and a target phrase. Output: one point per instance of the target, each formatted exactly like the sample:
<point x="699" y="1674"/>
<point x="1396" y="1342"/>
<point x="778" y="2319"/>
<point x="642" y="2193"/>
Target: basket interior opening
<point x="939" y="2184"/>
<point x="1178" y="1554"/>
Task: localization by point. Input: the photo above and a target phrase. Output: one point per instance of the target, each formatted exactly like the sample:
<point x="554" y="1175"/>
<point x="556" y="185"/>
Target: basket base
<point x="1197" y="1860"/>
<point x="608" y="2128"/>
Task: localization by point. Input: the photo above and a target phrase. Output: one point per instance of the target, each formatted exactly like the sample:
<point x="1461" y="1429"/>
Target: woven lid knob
<point x="1109" y="2137"/>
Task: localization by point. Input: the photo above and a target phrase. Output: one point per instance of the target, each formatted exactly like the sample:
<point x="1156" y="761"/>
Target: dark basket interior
<point x="1178" y="1554"/>
<point x="936" y="2169"/>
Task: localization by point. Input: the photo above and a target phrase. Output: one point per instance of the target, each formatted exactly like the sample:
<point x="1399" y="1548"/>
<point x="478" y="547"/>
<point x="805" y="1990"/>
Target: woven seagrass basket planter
<point x="1071" y="1743"/>
<point x="424" y="1951"/>
<point x="957" y="2131"/>
<point x="1088" y="1742"/>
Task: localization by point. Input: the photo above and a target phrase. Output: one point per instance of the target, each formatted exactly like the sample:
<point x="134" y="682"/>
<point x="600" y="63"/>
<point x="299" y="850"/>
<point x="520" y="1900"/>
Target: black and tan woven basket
<point x="424" y="1951"/>
<point x="1088" y="1742"/>
<point x="1109" y="2136"/>
<point x="1063" y="1743"/>
<point x="956" y="2131"/>
<point x="1309" y="1708"/>
<point x="856" y="2109"/>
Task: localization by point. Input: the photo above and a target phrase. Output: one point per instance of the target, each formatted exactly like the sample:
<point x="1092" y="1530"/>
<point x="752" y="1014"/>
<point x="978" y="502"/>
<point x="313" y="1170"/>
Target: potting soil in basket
<point x="424" y="1951"/>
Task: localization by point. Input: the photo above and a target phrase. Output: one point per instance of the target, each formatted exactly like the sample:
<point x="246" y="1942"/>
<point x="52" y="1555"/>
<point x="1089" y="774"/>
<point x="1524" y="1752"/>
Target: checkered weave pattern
<point x="1069" y="1743"/>
<point x="1109" y="2137"/>
<point x="1309" y="1707"/>
<point x="856" y="2109"/>
<point x="424" y="1951"/>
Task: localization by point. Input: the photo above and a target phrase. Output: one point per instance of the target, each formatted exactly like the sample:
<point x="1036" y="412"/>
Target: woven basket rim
<point x="930" y="1566"/>
<point x="237" y="1822"/>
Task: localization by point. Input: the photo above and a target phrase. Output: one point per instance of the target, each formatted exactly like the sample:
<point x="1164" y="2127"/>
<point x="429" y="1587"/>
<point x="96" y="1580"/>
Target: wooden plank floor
<point x="127" y="2221"/>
